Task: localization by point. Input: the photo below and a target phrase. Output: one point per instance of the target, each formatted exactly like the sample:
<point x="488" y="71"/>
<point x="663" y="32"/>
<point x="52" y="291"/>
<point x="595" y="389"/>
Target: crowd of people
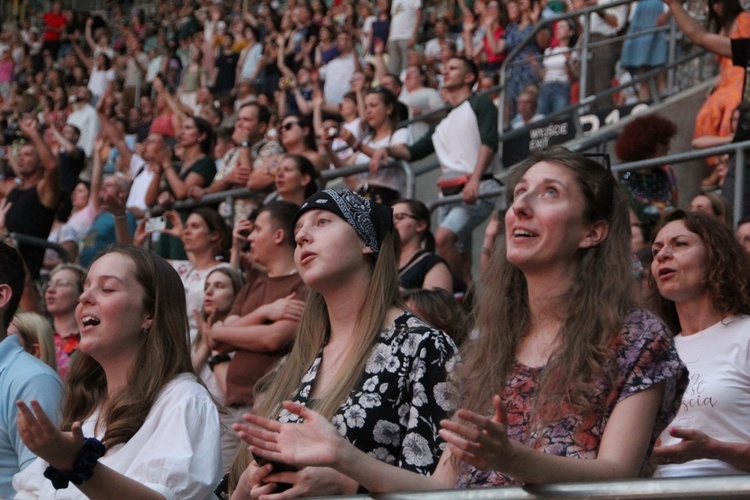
<point x="313" y="340"/>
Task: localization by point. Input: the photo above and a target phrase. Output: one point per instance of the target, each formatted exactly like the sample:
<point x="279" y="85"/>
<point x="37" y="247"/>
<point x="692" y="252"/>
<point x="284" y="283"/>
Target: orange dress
<point x="715" y="116"/>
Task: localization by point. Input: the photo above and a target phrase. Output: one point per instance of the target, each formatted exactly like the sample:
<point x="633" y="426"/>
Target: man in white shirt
<point x="406" y="19"/>
<point x="337" y="73"/>
<point x="84" y="117"/>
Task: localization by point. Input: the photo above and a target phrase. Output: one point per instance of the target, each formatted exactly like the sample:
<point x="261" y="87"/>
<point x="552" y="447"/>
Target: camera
<point x="332" y="132"/>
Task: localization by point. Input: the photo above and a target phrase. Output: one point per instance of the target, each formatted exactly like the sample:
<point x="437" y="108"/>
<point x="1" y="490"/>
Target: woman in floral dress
<point x="374" y="371"/>
<point x="566" y="381"/>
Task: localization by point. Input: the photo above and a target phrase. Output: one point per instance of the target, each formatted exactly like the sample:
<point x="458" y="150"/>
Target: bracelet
<point x="121" y="216"/>
<point x="218" y="359"/>
<point x="83" y="467"/>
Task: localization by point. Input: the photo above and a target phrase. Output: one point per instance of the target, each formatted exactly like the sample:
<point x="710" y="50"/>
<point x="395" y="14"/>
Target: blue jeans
<point x="553" y="97"/>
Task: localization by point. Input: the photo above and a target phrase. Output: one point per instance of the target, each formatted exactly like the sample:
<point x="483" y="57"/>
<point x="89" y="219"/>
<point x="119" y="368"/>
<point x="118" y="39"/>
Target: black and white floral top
<point x="394" y="412"/>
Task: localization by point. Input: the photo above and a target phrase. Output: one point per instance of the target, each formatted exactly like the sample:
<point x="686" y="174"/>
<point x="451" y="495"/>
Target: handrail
<point x="232" y="194"/>
<point x="457" y="198"/>
<point x="25" y="239"/>
<point x="708" y="487"/>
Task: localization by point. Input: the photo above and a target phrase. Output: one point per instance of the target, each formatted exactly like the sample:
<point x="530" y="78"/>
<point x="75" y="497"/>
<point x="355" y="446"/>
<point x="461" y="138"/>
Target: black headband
<point x="372" y="221"/>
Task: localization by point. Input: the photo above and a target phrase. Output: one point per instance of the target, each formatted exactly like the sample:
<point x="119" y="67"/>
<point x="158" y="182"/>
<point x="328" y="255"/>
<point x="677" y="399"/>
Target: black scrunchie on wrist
<point x="83" y="467"/>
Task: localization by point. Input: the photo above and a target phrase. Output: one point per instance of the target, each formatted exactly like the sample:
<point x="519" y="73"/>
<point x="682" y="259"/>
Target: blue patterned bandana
<point x="372" y="221"/>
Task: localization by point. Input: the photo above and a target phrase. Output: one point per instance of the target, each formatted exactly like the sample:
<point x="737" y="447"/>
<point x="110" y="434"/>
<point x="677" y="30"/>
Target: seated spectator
<point x="297" y="135"/>
<point x="159" y="426"/>
<point x="713" y="204"/>
<point x="346" y="253"/>
<point x="61" y="294"/>
<point x="35" y="336"/>
<point x="527" y="104"/>
<point x="702" y="276"/>
<point x="418" y="267"/>
<point x="524" y="401"/>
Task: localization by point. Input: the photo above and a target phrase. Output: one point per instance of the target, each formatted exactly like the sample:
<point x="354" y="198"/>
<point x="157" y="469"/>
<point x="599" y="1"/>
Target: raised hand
<point x="177" y="227"/>
<point x="41" y="436"/>
<point x="484" y="445"/>
<point x="313" y="442"/>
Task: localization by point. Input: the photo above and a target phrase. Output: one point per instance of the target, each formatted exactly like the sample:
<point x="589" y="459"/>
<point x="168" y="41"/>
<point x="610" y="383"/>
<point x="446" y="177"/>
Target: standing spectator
<point x="54" y="26"/>
<point x="521" y="71"/>
<point x="35" y="198"/>
<point x="647" y="52"/>
<point x="135" y="71"/>
<point x="338" y="72"/>
<point x="465" y="142"/>
<point x="419" y="98"/>
<point x="250" y="57"/>
<point x="406" y="19"/>
<point x="559" y="69"/>
<point x="225" y="69"/>
<point x="22" y="376"/>
<point x="653" y="190"/>
<point x="85" y="118"/>
<point x="251" y="150"/>
<point x="259" y="333"/>
<point x="605" y="24"/>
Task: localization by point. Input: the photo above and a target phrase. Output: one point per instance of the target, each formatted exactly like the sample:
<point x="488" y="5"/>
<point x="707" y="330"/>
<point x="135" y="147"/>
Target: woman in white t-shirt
<point x="384" y="184"/>
<point x="703" y="280"/>
<point x="558" y="69"/>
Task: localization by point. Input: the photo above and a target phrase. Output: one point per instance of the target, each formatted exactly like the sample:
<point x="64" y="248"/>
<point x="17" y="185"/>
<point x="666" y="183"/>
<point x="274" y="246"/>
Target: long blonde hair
<point x="596" y="304"/>
<point x="34" y="328"/>
<point x="313" y="333"/>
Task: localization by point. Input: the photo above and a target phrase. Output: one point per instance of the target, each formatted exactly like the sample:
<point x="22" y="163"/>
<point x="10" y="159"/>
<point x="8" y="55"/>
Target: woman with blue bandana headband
<point x="375" y="371"/>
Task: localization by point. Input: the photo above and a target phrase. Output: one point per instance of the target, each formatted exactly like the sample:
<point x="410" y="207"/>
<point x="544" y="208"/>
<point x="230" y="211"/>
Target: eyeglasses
<point x="601" y="158"/>
<point x="400" y="217"/>
<point x="288" y="126"/>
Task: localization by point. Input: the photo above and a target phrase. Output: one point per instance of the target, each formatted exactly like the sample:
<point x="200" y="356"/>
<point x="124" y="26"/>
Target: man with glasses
<point x="465" y="142"/>
<point x="22" y="376"/>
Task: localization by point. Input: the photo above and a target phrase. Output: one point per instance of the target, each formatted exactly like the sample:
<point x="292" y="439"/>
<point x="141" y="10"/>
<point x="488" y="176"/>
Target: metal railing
<point x="234" y="194"/>
<point x="585" y="46"/>
<point x="678" y="488"/>
<point x="25" y="239"/>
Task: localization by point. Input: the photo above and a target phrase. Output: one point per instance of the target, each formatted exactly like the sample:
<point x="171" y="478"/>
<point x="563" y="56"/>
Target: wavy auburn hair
<point x="727" y="268"/>
<point x="596" y="303"/>
<point x="163" y="352"/>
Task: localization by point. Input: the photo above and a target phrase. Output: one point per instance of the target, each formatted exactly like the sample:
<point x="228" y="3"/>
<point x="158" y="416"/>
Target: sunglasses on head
<point x="288" y="125"/>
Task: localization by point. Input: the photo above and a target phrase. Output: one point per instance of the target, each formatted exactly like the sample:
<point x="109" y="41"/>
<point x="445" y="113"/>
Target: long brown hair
<point x="163" y="352"/>
<point x="596" y="303"/>
<point x="727" y="268"/>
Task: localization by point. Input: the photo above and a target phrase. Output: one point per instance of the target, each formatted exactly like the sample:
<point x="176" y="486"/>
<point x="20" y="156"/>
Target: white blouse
<point x="175" y="452"/>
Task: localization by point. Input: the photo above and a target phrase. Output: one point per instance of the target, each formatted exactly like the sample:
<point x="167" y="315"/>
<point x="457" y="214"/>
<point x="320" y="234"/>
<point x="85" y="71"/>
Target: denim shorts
<point x="461" y="219"/>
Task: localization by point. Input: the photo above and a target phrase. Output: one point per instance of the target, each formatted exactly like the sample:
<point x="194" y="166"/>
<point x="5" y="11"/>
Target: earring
<point x="145" y="330"/>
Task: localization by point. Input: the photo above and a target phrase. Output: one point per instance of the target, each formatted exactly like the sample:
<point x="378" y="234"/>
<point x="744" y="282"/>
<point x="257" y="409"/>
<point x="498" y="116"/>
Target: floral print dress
<point x="394" y="412"/>
<point x="645" y="355"/>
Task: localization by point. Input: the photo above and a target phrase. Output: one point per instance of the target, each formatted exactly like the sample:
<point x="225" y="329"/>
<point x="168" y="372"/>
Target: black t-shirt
<point x="741" y="57"/>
